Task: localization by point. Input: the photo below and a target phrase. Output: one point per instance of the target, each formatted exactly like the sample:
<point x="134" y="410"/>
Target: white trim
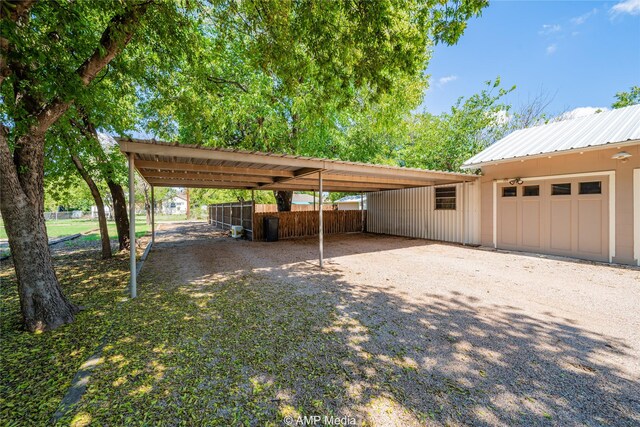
<point x="612" y="216"/>
<point x="612" y="204"/>
<point x="495" y="214"/>
<point x="636" y="215"/>
<point x="566" y="175"/>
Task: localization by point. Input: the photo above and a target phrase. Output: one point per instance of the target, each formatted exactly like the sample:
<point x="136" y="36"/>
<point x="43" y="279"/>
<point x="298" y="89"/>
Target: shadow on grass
<point x="221" y="336"/>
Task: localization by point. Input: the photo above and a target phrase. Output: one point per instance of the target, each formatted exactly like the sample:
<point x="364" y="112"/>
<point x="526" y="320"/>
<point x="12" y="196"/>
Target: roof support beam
<point x="190" y="167"/>
<point x="297" y="174"/>
<point x="205" y="176"/>
<point x="368" y="179"/>
<point x="160" y="182"/>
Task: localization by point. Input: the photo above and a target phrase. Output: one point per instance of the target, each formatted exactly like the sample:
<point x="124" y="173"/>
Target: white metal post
<point x="253" y="212"/>
<point x="362" y="211"/>
<point x="241" y="213"/>
<point x="153" y="216"/>
<point x="314" y="200"/>
<point x="320" y="230"/>
<point x="132" y="227"/>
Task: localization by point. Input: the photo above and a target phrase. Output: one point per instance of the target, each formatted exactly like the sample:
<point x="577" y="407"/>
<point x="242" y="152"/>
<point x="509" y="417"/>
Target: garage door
<point x="557" y="216"/>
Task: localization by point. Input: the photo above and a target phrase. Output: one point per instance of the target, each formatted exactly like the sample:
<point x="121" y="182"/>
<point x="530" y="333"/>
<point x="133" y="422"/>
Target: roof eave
<point x="605" y="146"/>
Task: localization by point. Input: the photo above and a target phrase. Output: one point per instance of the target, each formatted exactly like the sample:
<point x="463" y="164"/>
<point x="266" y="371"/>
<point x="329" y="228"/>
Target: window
<point x="561" y="189"/>
<point x="531" y="190"/>
<point x="593" y="187"/>
<point x="509" y="191"/>
<point x="446" y="198"/>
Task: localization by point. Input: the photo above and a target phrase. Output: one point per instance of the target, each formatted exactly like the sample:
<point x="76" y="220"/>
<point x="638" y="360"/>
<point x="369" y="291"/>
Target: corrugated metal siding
<point x="411" y="213"/>
<point x="598" y="129"/>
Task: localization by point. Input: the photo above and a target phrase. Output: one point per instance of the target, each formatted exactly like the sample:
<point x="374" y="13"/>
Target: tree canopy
<point x="625" y="99"/>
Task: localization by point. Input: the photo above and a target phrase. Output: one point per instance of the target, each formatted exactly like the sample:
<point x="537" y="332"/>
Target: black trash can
<point x="271" y="228"/>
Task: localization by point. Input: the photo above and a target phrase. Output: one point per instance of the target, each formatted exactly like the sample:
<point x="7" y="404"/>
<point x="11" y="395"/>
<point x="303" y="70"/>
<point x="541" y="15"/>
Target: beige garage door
<point x="556" y="216"/>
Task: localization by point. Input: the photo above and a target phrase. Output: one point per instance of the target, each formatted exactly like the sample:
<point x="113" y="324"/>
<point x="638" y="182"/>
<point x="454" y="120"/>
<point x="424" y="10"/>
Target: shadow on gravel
<point x="223" y="333"/>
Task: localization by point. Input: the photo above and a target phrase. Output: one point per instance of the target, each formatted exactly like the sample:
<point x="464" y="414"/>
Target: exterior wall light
<point x="623" y="155"/>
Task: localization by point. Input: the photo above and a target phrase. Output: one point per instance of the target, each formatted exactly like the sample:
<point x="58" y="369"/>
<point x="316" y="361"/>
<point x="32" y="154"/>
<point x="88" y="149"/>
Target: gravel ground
<point x="441" y="334"/>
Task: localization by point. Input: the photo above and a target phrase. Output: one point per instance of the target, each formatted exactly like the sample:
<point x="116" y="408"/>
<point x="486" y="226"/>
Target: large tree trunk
<point x="102" y="217"/>
<point x="147" y="203"/>
<point x="283" y="199"/>
<point x="22" y="205"/>
<point x="21" y="172"/>
<point x="120" y="213"/>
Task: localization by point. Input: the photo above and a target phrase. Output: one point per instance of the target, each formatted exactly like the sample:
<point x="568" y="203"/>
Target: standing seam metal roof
<point x="609" y="127"/>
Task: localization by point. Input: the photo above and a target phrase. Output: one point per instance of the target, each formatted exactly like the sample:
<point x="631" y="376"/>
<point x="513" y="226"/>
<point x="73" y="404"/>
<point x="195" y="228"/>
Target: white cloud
<point x="581" y="112"/>
<point x="447" y="79"/>
<point x="552" y="48"/>
<point x="550" y="29"/>
<point x="632" y="7"/>
<point x="579" y="20"/>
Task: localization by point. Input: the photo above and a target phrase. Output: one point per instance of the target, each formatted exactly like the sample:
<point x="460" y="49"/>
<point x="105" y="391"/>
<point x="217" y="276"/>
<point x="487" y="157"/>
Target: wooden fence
<point x="224" y="215"/>
<point x="299" y="224"/>
<point x="294" y="208"/>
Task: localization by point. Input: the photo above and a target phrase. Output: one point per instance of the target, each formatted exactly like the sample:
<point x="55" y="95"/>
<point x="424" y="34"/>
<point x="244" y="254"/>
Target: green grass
<point x="67" y="227"/>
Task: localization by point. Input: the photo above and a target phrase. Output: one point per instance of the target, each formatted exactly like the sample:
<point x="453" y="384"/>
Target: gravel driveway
<point x="441" y="334"/>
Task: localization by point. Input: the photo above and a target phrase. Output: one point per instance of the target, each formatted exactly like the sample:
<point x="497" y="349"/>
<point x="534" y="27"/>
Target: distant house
<point x="350" y="203"/>
<point x="94" y="212"/>
<point x="177" y="205"/>
<point x="303" y="199"/>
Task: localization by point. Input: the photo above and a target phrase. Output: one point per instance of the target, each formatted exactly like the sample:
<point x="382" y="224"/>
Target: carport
<point x="163" y="164"/>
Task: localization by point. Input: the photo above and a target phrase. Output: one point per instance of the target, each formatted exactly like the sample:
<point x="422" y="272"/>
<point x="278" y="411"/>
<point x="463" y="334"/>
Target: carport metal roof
<point x="164" y="164"/>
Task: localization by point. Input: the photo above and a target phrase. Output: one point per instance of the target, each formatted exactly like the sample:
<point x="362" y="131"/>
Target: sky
<point x="580" y="53"/>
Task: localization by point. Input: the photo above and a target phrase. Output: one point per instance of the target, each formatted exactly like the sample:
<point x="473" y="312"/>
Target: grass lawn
<point x="67" y="227"/>
<point x="229" y="352"/>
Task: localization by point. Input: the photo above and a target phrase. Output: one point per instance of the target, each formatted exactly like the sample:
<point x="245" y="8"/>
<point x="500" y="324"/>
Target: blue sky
<point x="583" y="52"/>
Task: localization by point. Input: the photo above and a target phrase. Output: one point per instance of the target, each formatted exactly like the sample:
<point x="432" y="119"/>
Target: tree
<point x="40" y="75"/>
<point x="292" y="77"/>
<point x="625" y="99"/>
<point x="292" y="63"/>
<point x="444" y="142"/>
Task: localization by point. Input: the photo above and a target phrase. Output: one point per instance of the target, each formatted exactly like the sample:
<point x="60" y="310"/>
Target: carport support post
<point x="362" y="211"/>
<point x="320" y="236"/>
<point x="153" y="216"/>
<point x="132" y="227"/>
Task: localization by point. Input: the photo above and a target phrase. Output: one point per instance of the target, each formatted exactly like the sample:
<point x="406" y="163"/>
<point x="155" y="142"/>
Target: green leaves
<point x="625" y="99"/>
<point x="444" y="142"/>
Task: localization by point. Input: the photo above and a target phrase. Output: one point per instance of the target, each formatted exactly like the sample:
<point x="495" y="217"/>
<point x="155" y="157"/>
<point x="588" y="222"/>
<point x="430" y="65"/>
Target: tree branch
<point x="12" y="11"/>
<point x="114" y="39"/>
<point x="16" y="9"/>
<point x="220" y="80"/>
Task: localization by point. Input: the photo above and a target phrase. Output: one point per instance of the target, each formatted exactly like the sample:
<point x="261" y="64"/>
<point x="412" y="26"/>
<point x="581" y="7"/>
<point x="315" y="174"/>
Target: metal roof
<point x="347" y="199"/>
<point x="611" y="127"/>
<point x="163" y="164"/>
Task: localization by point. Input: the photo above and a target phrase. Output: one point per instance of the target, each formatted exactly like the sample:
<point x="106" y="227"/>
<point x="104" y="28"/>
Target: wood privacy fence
<point x="294" y="208"/>
<point x="299" y="224"/>
<point x="224" y="215"/>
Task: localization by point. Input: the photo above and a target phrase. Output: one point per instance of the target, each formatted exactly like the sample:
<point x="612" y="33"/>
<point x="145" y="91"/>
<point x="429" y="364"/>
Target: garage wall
<point x="587" y="162"/>
<point x="412" y="213"/>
